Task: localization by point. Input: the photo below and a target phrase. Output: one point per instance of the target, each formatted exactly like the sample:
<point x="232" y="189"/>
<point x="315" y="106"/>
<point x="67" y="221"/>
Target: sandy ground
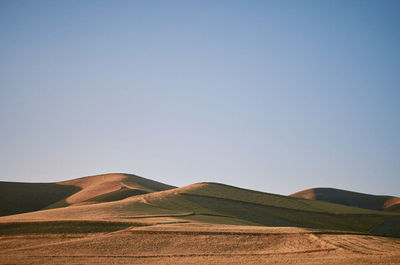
<point x="197" y="243"/>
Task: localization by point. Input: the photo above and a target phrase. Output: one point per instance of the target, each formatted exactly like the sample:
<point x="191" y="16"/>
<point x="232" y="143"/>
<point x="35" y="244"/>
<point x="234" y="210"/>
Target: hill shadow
<point x="18" y="198"/>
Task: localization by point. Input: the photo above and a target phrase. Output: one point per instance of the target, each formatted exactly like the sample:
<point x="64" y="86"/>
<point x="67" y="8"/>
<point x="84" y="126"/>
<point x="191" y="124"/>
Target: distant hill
<point x="27" y="197"/>
<point x="350" y="198"/>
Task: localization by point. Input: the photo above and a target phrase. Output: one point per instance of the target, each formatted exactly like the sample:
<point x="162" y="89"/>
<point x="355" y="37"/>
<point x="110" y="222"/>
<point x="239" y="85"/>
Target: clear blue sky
<point x="276" y="96"/>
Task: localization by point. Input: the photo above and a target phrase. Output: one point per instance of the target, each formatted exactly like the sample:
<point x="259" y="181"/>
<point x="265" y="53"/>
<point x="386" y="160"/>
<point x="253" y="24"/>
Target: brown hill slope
<point x="393" y="204"/>
<point x="27" y="197"/>
<point x="111" y="187"/>
<point x="349" y="198"/>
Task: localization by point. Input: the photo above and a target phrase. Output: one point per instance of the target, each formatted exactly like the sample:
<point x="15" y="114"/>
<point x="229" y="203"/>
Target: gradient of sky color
<point x="276" y="96"/>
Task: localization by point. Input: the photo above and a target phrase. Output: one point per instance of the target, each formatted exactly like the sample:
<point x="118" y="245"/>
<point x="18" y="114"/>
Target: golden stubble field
<point x="180" y="242"/>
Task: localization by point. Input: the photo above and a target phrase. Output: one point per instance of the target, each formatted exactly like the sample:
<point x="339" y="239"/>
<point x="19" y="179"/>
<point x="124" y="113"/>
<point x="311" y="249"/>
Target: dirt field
<point x="197" y="243"/>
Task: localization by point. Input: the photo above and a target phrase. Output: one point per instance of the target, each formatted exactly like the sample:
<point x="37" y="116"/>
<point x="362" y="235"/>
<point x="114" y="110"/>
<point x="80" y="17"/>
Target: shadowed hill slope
<point x="27" y="197"/>
<point x="349" y="198"/>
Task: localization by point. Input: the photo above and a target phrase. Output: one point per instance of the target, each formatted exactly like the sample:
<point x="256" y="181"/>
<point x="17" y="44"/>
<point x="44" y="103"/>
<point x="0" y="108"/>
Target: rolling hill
<point x="28" y="197"/>
<point x="124" y="198"/>
<point x="350" y="198"/>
